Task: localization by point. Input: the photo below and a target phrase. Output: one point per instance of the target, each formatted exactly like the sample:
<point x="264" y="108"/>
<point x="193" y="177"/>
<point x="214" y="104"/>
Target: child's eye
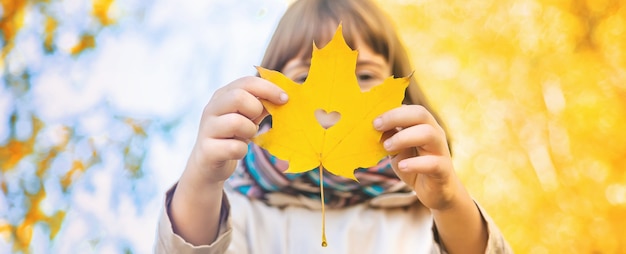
<point x="364" y="77"/>
<point x="368" y="78"/>
<point x="300" y="78"/>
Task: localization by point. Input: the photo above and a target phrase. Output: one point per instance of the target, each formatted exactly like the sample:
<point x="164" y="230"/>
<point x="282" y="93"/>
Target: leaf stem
<point x="324" y="243"/>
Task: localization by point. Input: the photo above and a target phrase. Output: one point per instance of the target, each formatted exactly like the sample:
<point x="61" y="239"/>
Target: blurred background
<point x="100" y="102"/>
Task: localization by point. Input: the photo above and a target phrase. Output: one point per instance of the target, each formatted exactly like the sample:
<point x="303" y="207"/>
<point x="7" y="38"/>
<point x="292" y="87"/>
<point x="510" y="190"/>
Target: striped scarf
<point x="260" y="173"/>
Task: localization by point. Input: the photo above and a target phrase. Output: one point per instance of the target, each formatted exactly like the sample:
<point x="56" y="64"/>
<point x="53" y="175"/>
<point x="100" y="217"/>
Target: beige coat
<point x="291" y="225"/>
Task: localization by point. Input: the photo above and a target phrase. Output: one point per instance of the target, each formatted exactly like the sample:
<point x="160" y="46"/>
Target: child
<point x="233" y="198"/>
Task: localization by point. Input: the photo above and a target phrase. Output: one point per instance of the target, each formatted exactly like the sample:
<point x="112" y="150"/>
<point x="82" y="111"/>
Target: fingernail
<point x="402" y="165"/>
<point x="284" y="97"/>
<point x="378" y="123"/>
<point x="387" y="144"/>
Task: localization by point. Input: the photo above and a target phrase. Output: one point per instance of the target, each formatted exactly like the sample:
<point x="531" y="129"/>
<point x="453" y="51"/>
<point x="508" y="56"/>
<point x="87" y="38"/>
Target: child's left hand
<point x="422" y="158"/>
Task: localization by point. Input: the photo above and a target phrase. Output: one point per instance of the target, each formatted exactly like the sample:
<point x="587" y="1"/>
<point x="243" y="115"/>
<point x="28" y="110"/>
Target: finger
<point x="225" y="149"/>
<point x="231" y="125"/>
<point x="404" y="116"/>
<point x="260" y="118"/>
<point x="426" y="164"/>
<point x="388" y="134"/>
<point x="424" y="136"/>
<point x="262" y="89"/>
<point x="234" y="100"/>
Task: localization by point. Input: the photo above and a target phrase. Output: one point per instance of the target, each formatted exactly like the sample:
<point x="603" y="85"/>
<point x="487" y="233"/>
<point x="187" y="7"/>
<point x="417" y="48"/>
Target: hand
<point x="229" y="121"/>
<point x="422" y="157"/>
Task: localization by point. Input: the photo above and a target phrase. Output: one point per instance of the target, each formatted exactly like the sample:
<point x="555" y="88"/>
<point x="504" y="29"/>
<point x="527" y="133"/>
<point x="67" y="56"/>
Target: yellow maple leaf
<point x="332" y="86"/>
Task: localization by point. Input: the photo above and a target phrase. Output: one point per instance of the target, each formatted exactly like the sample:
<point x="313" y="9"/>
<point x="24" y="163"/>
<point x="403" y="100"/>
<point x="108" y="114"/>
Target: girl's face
<point x="371" y="68"/>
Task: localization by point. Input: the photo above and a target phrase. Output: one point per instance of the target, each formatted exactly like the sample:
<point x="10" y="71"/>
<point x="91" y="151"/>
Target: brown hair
<point x="307" y="21"/>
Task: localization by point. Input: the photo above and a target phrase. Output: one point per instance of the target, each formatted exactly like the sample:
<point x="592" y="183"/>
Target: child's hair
<point x="308" y="21"/>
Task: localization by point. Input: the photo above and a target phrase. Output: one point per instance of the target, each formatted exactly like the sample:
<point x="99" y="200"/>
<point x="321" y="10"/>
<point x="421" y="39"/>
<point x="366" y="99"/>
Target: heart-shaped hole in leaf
<point x="325" y="119"/>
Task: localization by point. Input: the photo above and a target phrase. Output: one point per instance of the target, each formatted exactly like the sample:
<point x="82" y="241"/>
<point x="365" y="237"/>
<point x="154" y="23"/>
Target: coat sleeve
<point x="495" y="242"/>
<point x="169" y="242"/>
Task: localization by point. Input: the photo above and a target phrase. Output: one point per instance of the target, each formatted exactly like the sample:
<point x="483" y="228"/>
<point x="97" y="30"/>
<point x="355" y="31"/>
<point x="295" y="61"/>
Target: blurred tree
<point x="27" y="154"/>
<point x="534" y="92"/>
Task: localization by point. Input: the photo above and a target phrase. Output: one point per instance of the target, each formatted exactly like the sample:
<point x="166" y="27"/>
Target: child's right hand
<point x="230" y="119"/>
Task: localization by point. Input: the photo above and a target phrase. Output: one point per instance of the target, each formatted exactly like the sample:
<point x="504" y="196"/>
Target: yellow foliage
<point x="87" y="41"/>
<point x="534" y="93"/>
<point x="13" y="13"/>
<point x="101" y="11"/>
<point x="50" y="28"/>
